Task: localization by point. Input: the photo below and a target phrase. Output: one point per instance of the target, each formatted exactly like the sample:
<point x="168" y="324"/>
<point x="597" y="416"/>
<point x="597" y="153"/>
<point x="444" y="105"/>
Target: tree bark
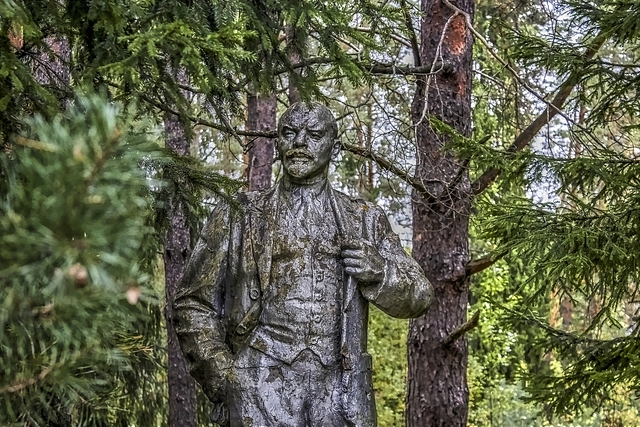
<point x="51" y="67"/>
<point x="261" y="116"/>
<point x="438" y="394"/>
<point x="295" y="56"/>
<point x="183" y="403"/>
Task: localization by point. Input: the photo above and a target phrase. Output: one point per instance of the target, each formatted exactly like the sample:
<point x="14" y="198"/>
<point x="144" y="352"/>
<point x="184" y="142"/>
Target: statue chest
<point x="306" y="270"/>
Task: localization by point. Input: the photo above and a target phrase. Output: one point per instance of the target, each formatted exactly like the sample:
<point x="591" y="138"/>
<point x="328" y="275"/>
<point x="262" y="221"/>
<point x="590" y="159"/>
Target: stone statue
<point x="272" y="310"/>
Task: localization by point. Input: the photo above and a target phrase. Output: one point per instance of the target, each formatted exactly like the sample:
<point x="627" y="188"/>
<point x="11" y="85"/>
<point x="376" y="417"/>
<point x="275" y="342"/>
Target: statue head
<point x="306" y="142"/>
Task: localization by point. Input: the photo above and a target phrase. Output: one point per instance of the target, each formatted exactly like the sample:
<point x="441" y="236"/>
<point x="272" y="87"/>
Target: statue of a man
<point x="272" y="310"/>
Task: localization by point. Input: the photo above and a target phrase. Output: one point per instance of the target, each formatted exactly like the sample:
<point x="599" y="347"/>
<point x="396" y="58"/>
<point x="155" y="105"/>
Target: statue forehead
<point x="307" y="114"/>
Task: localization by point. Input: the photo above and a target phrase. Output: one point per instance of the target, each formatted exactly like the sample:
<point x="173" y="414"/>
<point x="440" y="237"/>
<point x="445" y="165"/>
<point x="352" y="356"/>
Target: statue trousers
<point x="303" y="394"/>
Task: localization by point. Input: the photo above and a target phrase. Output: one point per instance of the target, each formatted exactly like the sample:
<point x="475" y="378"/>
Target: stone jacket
<point x="218" y="303"/>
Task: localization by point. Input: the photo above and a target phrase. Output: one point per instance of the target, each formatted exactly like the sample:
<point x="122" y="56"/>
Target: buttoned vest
<point x="301" y="306"/>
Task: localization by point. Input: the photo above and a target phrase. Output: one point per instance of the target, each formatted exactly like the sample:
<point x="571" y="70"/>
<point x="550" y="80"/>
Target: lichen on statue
<point x="272" y="310"/>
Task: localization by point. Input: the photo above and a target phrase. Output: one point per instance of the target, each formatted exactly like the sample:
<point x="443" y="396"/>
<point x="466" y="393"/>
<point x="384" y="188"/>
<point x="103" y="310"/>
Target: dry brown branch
<point x="407" y="70"/>
<point x="359" y="151"/>
<point x="477" y="265"/>
<point x="390" y="167"/>
<point x="22" y="384"/>
<point x="415" y="48"/>
<point x="208" y="123"/>
<point x="462" y="329"/>
<point x="395" y="37"/>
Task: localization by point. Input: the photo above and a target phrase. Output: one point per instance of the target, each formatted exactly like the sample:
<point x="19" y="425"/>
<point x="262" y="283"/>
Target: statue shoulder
<point x="230" y="212"/>
<point x="358" y="204"/>
<point x="347" y="199"/>
<point x="254" y="200"/>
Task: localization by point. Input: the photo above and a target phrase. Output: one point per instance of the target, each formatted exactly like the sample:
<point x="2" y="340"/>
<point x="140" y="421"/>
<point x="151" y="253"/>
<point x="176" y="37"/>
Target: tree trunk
<point x="183" y="403"/>
<point x="295" y="56"/>
<point x="51" y="67"/>
<point x="261" y="116"/>
<point x="438" y="394"/>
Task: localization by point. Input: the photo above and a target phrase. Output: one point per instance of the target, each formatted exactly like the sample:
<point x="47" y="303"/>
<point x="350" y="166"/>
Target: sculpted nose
<point x="300" y="139"/>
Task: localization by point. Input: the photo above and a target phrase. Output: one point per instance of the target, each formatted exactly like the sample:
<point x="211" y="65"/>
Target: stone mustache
<point x="272" y="310"/>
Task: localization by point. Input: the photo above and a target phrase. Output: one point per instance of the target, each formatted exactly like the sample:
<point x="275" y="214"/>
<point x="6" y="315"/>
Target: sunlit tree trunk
<point x="438" y="394"/>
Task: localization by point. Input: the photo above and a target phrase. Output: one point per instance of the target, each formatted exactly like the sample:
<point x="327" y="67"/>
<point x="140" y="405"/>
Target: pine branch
<point x="462" y="329"/>
<point x="462" y="170"/>
<point x="37" y="145"/>
<point x="404" y="70"/>
<point x="375" y="67"/>
<point x="22" y="384"/>
<point x="477" y="265"/>
<point x="226" y="124"/>
<point x="415" y="49"/>
<point x="359" y="151"/>
<point x="394" y="36"/>
<point x="464" y="166"/>
<point x="390" y="167"/>
<point x="208" y="123"/>
<point x="553" y="108"/>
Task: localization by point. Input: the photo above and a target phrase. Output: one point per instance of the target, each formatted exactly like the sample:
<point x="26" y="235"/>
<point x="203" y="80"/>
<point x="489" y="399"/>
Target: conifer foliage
<point x="580" y="242"/>
<point x="77" y="303"/>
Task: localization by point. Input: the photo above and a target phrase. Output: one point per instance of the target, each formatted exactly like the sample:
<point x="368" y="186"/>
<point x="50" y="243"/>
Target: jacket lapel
<point x="349" y="213"/>
<point x="263" y="222"/>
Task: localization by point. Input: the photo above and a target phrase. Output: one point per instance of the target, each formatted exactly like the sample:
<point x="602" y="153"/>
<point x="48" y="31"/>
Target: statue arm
<point x="199" y="304"/>
<point x="405" y="291"/>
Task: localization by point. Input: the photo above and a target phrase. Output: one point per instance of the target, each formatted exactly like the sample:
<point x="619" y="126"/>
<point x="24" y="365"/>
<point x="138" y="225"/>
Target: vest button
<point x="254" y="294"/>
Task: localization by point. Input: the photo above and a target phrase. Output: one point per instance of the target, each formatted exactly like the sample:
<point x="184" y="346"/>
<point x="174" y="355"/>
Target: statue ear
<point x="276" y="146"/>
<point x="337" y="145"/>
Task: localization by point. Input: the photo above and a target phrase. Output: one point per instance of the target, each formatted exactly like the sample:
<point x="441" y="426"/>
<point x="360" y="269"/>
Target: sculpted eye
<point x="315" y="135"/>
<point x="288" y="133"/>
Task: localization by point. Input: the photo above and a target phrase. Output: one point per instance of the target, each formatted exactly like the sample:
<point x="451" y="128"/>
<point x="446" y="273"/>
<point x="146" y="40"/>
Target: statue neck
<point x="313" y="183"/>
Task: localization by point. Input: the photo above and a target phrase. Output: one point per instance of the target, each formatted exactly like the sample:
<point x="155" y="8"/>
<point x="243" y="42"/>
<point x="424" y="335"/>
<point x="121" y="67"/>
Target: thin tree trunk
<point x="261" y="116"/>
<point x="566" y="312"/>
<point x="183" y="403"/>
<point x="438" y="394"/>
<point x="295" y="56"/>
<point x="51" y="67"/>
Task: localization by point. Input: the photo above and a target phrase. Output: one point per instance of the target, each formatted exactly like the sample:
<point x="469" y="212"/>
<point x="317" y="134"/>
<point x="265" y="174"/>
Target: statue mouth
<point x="298" y="154"/>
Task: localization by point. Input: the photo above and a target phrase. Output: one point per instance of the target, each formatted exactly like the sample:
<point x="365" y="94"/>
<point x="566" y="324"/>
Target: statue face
<point x="306" y="141"/>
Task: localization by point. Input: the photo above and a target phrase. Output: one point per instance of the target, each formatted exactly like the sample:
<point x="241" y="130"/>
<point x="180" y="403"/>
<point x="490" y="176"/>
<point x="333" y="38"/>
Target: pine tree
<point x="128" y="49"/>
<point x="78" y="323"/>
<point x="577" y="243"/>
<point x="437" y="390"/>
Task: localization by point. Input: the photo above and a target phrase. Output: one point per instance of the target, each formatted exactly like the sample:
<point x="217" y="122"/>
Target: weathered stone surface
<point x="272" y="310"/>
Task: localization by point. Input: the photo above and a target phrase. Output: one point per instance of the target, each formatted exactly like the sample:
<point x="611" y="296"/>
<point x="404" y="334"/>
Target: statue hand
<point x="215" y="383"/>
<point x="362" y="261"/>
<point x="220" y="414"/>
<point x="229" y="372"/>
